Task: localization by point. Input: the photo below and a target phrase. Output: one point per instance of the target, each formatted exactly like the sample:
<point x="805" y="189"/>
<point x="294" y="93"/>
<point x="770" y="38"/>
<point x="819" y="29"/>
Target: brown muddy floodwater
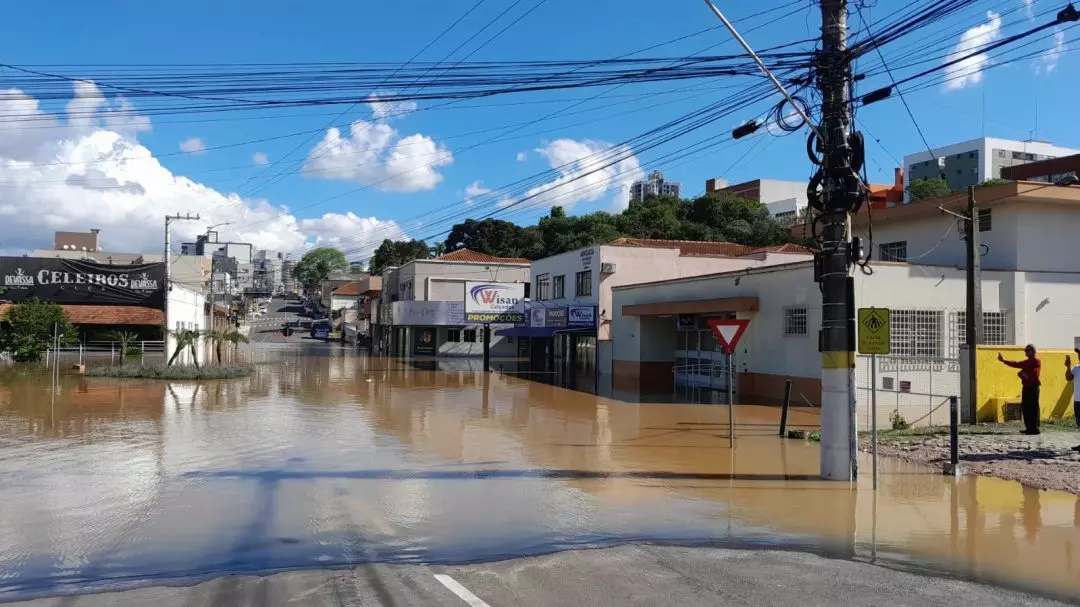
<point x="324" y="458"/>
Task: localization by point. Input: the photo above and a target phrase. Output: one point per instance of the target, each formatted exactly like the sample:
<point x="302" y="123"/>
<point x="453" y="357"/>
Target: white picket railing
<point x="98" y="349"/>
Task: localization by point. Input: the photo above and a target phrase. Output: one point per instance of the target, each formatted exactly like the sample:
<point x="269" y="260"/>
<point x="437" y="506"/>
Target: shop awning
<point x="528" y="331"/>
<point x="694" y="306"/>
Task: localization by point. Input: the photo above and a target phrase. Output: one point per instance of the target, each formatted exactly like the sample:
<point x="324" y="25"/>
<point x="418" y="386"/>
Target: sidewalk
<point x="1046" y="461"/>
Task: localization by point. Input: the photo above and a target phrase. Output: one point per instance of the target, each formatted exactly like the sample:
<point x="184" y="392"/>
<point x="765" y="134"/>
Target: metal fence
<point x="916" y="388"/>
<point x="98" y="350"/>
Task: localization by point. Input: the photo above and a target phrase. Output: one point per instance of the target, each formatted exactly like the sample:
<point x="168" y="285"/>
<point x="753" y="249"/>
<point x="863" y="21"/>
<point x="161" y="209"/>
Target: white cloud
<point x="260" y="159"/>
<point x="473" y="191"/>
<point x="81" y="175"/>
<point x="522" y="156"/>
<point x="583" y="174"/>
<point x="193" y="145"/>
<point x="375" y="154"/>
<point x="383" y="110"/>
<point x="1048" y="60"/>
<point x="1029" y="8"/>
<point x="969" y="71"/>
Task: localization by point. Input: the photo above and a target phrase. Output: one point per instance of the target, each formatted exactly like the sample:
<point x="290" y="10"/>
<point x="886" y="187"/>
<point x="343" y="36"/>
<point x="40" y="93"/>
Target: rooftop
<point x="1018" y="192"/>
<point x="697" y="248"/>
<point x="349" y="289"/>
<point x="468" y="255"/>
<point x="107" y="315"/>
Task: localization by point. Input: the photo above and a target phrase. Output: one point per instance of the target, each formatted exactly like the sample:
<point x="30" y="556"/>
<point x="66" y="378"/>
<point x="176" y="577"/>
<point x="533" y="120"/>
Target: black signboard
<point x="425" y="342"/>
<point x="76" y="281"/>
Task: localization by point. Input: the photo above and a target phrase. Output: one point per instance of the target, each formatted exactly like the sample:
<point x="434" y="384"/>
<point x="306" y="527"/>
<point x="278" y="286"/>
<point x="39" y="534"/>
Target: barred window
<point x="893" y="251"/>
<point x="996" y="330"/>
<point x="917" y="333"/>
<point x="795" y="321"/>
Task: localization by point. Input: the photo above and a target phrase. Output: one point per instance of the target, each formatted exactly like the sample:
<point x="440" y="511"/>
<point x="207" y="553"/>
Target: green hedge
<point x="174" y="372"/>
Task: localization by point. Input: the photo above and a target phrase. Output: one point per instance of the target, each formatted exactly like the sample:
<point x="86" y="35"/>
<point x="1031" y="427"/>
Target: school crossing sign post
<point x="728" y="332"/>
<point x="875" y="337"/>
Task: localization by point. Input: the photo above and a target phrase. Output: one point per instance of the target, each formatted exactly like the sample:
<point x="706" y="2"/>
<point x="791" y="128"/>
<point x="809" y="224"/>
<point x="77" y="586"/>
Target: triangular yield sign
<point x="728" y="332"/>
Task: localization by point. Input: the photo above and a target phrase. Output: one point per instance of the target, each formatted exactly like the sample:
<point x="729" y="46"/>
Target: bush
<point x="189" y="372"/>
<point x="897" y="420"/>
<point x="134" y="351"/>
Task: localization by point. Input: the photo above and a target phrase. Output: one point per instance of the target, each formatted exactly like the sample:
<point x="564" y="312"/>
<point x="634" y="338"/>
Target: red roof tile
<point x="686" y="247"/>
<point x="792" y="249"/>
<point x="107" y="315"/>
<point x="349" y="289"/>
<point x="476" y="257"/>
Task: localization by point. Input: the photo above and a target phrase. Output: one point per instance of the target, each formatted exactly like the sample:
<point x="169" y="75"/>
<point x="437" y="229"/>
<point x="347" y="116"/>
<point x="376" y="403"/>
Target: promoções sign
<point x="498" y="302"/>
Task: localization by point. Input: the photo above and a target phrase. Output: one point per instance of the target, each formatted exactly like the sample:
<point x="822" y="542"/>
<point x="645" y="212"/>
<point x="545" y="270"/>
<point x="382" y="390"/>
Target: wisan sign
<point x="495" y="302"/>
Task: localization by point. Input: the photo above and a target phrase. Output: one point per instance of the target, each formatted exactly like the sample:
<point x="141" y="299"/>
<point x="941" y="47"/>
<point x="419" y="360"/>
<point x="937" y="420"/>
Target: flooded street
<point x="326" y="458"/>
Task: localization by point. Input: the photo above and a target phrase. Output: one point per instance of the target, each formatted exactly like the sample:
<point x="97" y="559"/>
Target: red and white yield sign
<point x="728" y="332"/>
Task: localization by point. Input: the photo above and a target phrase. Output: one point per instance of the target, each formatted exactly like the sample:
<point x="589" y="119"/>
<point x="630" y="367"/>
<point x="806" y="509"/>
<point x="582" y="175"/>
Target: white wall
<point x="773" y="190"/>
<point x="340" y="302"/>
<point x="433" y="280"/>
<point x="763" y="348"/>
<point x="935" y="239"/>
<point x="1050" y="305"/>
<point x="186" y="309"/>
<point x="633" y="265"/>
<point x="1047" y="237"/>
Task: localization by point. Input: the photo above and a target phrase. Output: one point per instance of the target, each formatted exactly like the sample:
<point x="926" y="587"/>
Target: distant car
<point x="321" y="332"/>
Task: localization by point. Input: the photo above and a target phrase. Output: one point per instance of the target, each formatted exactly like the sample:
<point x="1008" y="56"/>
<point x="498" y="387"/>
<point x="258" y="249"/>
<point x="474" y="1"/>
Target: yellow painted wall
<point x="999" y="384"/>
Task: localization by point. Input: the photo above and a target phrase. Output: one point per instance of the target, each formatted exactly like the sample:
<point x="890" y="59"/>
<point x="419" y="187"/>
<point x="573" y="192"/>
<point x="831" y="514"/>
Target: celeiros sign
<point x="74" y="281"/>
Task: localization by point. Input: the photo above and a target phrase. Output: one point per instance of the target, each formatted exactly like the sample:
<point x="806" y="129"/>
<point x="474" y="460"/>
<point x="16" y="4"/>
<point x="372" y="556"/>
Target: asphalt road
<point x="627" y="575"/>
<point x="267" y="328"/>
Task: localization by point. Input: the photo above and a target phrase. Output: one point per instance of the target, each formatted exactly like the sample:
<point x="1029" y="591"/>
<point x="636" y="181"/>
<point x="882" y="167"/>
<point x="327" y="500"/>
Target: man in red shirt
<point x="1030" y="368"/>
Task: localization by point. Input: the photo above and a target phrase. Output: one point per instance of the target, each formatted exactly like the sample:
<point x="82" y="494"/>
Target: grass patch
<point x="189" y="372"/>
<point x="1050" y="425"/>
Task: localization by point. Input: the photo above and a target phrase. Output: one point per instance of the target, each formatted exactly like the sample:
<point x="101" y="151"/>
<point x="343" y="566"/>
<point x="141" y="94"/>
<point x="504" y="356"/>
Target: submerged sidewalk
<point x="1045" y="461"/>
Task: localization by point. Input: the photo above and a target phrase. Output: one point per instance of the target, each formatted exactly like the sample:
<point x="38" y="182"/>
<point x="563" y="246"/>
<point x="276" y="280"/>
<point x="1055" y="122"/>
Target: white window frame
<point x="796" y="321"/>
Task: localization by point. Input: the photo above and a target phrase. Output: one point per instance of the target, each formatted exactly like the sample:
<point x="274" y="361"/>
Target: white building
<point x="186" y="309"/>
<point x="785" y="200"/>
<point x="423" y="311"/>
<point x="662" y="342"/>
<point x="655" y="185"/>
<point x="973" y="162"/>
<point x="569" y="328"/>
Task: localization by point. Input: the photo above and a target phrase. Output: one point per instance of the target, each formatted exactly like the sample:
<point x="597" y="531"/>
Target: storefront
<point x="561" y="344"/>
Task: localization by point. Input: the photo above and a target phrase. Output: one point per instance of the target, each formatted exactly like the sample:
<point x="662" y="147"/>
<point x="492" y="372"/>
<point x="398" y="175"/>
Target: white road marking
<point x="462" y="592"/>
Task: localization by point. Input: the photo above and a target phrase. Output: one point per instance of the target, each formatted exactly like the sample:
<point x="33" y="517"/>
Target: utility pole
<point x="841" y="193"/>
<point x="168" y="265"/>
<point x="973" y="317"/>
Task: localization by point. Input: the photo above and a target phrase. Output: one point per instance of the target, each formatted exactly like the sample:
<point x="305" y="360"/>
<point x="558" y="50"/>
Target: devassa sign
<point x="76" y="281"/>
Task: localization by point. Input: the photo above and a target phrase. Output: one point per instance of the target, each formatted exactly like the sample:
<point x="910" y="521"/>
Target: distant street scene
<point x="529" y="302"/>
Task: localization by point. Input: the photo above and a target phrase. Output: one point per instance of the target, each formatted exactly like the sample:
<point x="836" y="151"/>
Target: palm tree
<point x="235" y="338"/>
<point x="217" y="336"/>
<point x="185" y="338"/>
<point x="125" y="339"/>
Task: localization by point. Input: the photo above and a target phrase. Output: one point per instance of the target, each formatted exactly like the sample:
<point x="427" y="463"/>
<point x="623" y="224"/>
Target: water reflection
<point x="325" y="458"/>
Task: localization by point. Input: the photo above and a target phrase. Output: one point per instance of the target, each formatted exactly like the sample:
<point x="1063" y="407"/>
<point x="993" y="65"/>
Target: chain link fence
<point x="916" y="389"/>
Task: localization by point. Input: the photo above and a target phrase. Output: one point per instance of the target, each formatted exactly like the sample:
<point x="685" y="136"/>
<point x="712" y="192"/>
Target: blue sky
<point x="1002" y="104"/>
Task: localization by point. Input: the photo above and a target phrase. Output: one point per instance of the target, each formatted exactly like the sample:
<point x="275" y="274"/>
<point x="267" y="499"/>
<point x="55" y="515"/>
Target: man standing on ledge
<point x="1030" y="368"/>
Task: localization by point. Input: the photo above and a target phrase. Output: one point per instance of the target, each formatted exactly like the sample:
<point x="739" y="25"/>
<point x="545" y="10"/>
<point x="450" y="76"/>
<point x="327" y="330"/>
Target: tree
<point x="731" y="218"/>
<point x="925" y="189"/>
<point x="235" y="338"/>
<point x="318" y="264"/>
<point x="125" y="339"/>
<point x="185" y="338"/>
<point x="217" y="337"/>
<point x="397" y="252"/>
<point x="30" y="329"/>
<point x="495" y="237"/>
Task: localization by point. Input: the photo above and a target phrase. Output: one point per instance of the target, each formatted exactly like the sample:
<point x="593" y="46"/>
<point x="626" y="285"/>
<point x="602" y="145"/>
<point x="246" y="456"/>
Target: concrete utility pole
<point x="168" y="264"/>
<point x="973" y="317"/>
<point x="841" y="193"/>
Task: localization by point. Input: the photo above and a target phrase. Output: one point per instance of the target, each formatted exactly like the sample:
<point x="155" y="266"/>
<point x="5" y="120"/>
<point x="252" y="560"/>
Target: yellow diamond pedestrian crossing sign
<point x="875" y="330"/>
